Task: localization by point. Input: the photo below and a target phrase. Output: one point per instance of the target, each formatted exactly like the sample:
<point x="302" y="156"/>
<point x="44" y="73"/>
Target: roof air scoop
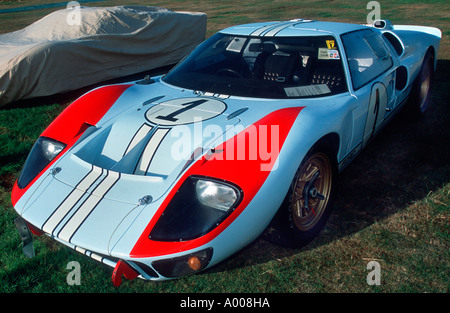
<point x="383" y="24"/>
<point x="300" y="20"/>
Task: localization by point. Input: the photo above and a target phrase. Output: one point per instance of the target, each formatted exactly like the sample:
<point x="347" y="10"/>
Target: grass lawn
<point x="393" y="200"/>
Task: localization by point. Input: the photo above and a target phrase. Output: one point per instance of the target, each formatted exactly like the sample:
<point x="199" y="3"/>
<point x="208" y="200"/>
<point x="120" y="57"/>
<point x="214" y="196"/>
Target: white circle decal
<point x="184" y="111"/>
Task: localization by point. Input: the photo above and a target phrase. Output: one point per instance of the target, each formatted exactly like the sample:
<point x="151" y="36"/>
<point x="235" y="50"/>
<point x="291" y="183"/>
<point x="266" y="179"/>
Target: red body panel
<point x="246" y="173"/>
<point x="74" y="120"/>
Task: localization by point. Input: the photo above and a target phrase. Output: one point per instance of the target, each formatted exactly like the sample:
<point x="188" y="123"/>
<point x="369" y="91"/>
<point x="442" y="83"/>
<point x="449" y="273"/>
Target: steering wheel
<point x="228" y="72"/>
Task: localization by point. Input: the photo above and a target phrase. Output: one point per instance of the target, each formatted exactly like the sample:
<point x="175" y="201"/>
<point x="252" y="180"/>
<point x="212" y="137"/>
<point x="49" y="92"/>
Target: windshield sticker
<point x="307" y="91"/>
<point x="330" y="44"/>
<point x="333" y="54"/>
<point x="323" y="54"/>
<point x="327" y="54"/>
<point x="236" y="45"/>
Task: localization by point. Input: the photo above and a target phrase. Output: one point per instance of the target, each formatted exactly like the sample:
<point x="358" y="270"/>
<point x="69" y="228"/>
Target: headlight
<point x="51" y="149"/>
<point x="43" y="152"/>
<point x="199" y="206"/>
<point x="216" y="195"/>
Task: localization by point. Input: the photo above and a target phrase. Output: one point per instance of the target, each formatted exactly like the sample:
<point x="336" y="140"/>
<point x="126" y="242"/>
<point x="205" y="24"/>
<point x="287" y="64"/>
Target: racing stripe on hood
<point x="76" y="207"/>
<point x="71" y="200"/>
<point x="82" y="213"/>
<point x="149" y="151"/>
<point x="140" y="134"/>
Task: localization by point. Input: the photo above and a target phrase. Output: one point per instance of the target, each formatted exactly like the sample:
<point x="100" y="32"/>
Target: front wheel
<point x="308" y="203"/>
<point x="311" y="192"/>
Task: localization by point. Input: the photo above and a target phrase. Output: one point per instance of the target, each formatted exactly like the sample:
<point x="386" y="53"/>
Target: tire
<point x="421" y="90"/>
<point x="296" y="224"/>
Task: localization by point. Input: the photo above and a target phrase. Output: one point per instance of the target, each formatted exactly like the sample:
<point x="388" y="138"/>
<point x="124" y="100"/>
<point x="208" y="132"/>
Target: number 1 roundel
<point x="184" y="111"/>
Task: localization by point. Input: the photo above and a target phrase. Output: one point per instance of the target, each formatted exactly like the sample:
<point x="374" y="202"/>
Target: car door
<point x="372" y="74"/>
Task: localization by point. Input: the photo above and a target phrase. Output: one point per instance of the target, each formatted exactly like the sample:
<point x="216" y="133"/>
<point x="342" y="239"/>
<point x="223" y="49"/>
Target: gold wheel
<point x="311" y="191"/>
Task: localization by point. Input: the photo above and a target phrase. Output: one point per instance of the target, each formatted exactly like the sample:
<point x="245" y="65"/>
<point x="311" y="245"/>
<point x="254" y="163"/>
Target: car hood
<point x="145" y="149"/>
<point x="126" y="164"/>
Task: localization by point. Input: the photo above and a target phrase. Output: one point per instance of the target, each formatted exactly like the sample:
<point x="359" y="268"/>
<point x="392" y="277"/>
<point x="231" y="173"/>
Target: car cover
<point x="70" y="49"/>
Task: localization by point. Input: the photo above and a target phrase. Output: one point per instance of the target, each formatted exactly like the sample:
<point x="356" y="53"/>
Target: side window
<point x="367" y="56"/>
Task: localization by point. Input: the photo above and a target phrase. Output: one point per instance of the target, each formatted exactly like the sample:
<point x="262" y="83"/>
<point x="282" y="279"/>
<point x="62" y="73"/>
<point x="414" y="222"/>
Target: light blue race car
<point x="168" y="176"/>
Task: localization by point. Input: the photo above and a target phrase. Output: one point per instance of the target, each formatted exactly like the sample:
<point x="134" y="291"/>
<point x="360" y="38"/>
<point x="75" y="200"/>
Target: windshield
<point x="274" y="67"/>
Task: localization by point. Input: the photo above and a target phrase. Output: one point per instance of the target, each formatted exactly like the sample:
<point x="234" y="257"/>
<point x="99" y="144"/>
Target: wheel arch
<point x="330" y="142"/>
<point x="432" y="50"/>
<point x="279" y="229"/>
<point x="330" y="145"/>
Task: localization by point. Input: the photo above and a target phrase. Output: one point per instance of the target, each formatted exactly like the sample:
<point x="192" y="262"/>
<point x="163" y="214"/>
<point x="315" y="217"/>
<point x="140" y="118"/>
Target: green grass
<point x="393" y="203"/>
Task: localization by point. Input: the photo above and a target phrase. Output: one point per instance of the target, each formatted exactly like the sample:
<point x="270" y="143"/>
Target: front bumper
<point x="161" y="268"/>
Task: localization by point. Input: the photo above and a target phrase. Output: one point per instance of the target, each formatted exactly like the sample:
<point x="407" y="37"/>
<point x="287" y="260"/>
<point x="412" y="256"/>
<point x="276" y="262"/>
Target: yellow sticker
<point x="330" y="44"/>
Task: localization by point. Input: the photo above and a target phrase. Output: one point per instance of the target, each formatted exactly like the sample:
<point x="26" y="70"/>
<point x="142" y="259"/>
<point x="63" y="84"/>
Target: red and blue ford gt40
<point x="169" y="175"/>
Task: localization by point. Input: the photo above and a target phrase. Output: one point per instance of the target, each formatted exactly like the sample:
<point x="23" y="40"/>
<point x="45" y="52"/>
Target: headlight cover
<point x="215" y="195"/>
<point x="43" y="152"/>
<point x="200" y="205"/>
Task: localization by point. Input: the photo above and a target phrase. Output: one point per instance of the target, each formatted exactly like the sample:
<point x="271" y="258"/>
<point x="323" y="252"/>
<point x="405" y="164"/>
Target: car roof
<point x="297" y="27"/>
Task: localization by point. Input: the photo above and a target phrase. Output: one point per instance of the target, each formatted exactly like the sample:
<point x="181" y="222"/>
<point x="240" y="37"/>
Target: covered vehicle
<point x="60" y="53"/>
<point x="168" y="176"/>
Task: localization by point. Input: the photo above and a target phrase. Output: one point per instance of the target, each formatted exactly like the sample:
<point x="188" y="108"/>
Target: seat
<point x="279" y="67"/>
<point x="276" y="66"/>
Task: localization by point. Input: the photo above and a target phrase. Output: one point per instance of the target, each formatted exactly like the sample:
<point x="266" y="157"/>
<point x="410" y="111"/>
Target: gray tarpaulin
<point x="59" y="53"/>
